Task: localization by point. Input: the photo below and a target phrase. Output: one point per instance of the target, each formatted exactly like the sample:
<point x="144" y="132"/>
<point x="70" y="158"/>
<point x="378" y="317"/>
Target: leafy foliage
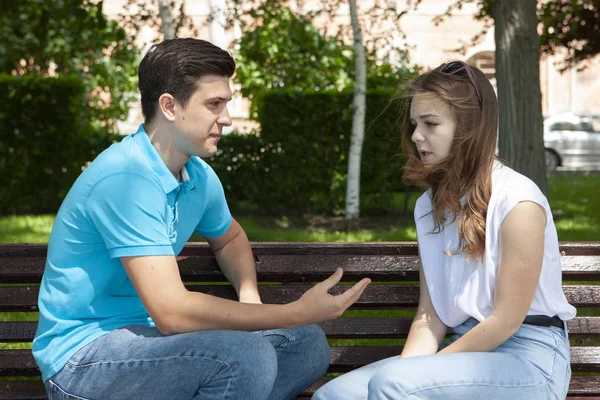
<point x="46" y="139"/>
<point x="286" y="51"/>
<point x="144" y="14"/>
<point x="56" y="37"/>
<point x="573" y="25"/>
<point x="298" y="163"/>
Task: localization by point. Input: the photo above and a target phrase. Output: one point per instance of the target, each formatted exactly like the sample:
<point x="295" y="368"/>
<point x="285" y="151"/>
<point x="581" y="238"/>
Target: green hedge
<point x="298" y="162"/>
<point x="45" y="140"/>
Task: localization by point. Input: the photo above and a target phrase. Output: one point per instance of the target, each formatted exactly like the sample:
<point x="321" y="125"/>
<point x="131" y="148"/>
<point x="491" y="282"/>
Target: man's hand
<point x="318" y="305"/>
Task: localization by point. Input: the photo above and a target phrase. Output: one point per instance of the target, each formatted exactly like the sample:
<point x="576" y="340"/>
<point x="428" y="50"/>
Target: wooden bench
<point x="393" y="267"/>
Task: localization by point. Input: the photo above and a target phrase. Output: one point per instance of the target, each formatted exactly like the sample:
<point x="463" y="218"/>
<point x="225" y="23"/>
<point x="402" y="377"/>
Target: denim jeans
<point x="533" y="364"/>
<point x="137" y="362"/>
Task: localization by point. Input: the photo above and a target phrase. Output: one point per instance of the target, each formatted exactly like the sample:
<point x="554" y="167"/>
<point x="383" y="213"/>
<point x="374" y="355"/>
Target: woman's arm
<point x="427" y="331"/>
<point x="520" y="265"/>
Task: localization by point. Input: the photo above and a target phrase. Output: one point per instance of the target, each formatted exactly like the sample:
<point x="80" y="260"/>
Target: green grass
<point x="575" y="202"/>
<point x="26" y="228"/>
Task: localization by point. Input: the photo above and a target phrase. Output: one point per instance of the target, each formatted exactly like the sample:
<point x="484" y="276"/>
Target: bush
<point x="46" y="139"/>
<point x="299" y="162"/>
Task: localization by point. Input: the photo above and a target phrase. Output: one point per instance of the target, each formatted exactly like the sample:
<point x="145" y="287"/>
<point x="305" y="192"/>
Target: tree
<point x="571" y="25"/>
<point x="256" y="18"/>
<point x="165" y="16"/>
<point x="56" y="37"/>
<point x="518" y="75"/>
<point x="164" y="10"/>
<point x="358" y="124"/>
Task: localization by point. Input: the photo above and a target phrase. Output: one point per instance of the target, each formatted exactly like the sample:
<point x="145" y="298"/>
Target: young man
<point x="116" y="321"/>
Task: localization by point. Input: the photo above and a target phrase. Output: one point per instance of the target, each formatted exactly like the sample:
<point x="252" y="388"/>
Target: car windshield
<point x="583" y="123"/>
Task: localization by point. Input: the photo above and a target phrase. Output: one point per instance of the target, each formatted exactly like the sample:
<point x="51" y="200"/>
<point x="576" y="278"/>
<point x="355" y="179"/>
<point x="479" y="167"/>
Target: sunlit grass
<point x="574" y="199"/>
<point x="575" y="203"/>
<point x="26" y="228"/>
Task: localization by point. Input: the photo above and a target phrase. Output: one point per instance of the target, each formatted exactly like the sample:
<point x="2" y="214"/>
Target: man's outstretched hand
<point x="318" y="305"/>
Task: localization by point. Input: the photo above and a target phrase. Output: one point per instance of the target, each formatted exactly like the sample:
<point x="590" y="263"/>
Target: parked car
<point x="572" y="141"/>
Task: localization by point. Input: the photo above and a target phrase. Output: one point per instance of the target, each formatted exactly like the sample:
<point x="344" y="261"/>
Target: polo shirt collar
<point x="166" y="178"/>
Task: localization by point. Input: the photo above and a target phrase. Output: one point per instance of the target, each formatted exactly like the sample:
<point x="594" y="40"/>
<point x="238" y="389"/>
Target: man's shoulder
<point x="121" y="157"/>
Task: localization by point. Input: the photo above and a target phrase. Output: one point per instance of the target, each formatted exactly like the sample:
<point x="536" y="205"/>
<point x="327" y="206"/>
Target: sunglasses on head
<point x="455" y="67"/>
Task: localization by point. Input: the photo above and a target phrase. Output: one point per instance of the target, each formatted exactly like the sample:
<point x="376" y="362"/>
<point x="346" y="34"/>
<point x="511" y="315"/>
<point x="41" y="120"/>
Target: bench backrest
<point x="286" y="270"/>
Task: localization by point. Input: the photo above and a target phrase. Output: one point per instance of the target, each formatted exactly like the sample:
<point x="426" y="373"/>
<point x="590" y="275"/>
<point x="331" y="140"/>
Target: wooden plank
<point x="22" y="390"/>
<point x="280" y="248"/>
<point x="18" y="363"/>
<point x="298" y="268"/>
<point x="586" y="385"/>
<point x="17" y="331"/>
<point x="580" y="388"/>
<point x="341" y="328"/>
<point x="343" y="359"/>
<point x="24" y="298"/>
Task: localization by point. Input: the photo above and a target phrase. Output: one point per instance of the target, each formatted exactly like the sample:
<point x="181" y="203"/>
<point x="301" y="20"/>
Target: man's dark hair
<point x="174" y="66"/>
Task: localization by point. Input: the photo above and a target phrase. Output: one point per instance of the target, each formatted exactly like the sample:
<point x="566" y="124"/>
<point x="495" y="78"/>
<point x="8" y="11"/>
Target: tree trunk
<point x="218" y="20"/>
<point x="164" y="9"/>
<point x="358" y="124"/>
<point x="521" y="137"/>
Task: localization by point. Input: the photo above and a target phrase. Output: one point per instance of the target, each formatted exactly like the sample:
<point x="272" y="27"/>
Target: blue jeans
<point x="533" y="364"/>
<point x="137" y="362"/>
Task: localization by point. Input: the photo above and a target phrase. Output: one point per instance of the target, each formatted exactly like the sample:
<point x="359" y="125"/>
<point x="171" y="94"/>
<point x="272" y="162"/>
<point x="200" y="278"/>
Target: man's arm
<point x="174" y="309"/>
<point x="234" y="256"/>
<point x="521" y="256"/>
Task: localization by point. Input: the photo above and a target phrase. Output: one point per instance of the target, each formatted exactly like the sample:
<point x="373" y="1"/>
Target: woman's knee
<point x="326" y="392"/>
<point x="385" y="382"/>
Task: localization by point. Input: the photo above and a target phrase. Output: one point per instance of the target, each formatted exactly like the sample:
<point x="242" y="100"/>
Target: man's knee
<point x="315" y="347"/>
<point x="257" y="362"/>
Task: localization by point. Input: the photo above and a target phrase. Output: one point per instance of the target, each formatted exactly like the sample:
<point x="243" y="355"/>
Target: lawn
<point x="575" y="202"/>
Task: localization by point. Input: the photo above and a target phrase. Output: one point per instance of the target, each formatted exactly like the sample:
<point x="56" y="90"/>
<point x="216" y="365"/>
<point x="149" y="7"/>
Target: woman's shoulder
<point x="509" y="188"/>
<point x="509" y="181"/>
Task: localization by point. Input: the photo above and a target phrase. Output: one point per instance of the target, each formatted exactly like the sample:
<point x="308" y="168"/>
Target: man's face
<point x="199" y="125"/>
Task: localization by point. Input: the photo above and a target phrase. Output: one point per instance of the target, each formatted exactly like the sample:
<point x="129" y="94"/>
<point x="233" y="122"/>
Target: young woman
<point x="490" y="262"/>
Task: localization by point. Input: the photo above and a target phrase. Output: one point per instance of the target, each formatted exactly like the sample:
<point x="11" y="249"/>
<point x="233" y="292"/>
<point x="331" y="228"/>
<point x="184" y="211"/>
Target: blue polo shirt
<point x="126" y="203"/>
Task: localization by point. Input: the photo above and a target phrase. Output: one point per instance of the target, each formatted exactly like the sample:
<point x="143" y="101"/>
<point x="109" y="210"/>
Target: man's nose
<point x="225" y="118"/>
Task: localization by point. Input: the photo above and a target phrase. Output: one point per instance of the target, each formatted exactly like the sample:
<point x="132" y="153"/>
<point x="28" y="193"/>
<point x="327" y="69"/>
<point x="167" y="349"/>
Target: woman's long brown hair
<point x="461" y="185"/>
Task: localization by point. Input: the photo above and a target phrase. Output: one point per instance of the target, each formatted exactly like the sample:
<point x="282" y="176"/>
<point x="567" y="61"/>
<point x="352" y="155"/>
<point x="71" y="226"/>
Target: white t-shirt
<point x="459" y="288"/>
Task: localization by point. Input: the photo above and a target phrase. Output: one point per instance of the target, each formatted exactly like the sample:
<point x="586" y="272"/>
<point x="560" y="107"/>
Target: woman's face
<point x="434" y="122"/>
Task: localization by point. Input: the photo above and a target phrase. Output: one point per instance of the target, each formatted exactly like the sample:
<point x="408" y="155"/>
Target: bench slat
<point x="298" y="268"/>
<point x="24" y="298"/>
<point x="261" y="248"/>
<point x="22" y="390"/>
<point x="343" y="359"/>
<point x="34" y="389"/>
<point x="341" y="328"/>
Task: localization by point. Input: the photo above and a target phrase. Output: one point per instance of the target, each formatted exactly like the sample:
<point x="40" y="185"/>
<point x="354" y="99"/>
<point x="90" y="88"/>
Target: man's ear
<point x="167" y="105"/>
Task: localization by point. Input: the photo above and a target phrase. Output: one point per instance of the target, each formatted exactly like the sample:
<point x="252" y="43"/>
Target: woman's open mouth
<point x="425" y="154"/>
